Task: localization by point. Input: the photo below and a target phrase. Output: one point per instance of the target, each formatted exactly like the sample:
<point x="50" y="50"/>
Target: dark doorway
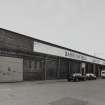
<point x="33" y="69"/>
<point x="51" y="69"/>
<point x="90" y="68"/>
<point x="64" y="69"/>
<point x="75" y="67"/>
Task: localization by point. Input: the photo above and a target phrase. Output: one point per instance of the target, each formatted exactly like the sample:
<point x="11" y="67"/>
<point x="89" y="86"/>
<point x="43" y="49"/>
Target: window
<point x="37" y="65"/>
<point x="33" y="65"/>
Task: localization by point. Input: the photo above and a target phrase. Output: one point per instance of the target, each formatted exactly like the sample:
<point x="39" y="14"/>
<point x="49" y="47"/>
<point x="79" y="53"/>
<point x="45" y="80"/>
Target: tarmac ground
<point x="53" y="92"/>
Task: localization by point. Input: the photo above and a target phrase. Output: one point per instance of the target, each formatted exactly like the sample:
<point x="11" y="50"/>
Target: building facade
<point x="26" y="58"/>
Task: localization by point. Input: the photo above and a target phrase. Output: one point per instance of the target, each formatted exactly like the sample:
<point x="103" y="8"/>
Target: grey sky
<point x="76" y="24"/>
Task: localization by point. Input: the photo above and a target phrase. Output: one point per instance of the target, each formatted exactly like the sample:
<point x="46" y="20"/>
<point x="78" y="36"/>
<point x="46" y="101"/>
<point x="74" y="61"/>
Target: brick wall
<point x="14" y="41"/>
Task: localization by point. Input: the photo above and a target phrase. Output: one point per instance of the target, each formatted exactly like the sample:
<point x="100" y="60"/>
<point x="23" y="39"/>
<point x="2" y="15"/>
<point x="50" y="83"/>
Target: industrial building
<point x="25" y="58"/>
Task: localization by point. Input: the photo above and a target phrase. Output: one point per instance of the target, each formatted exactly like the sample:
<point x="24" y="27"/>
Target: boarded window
<point x="33" y="65"/>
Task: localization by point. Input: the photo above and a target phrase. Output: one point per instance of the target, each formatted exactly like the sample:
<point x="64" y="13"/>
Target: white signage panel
<point x="47" y="49"/>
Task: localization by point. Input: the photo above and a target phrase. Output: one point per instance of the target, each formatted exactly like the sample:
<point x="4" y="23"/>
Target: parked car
<point x="91" y="76"/>
<point x="103" y="74"/>
<point x="76" y="77"/>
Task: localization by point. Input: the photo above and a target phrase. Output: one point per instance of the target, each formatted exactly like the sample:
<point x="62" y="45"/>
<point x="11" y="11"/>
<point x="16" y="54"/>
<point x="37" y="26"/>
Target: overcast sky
<point x="76" y="24"/>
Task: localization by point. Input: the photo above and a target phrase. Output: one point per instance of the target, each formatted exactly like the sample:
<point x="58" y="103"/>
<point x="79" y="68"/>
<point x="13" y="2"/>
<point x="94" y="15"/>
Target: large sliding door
<point x="64" y="69"/>
<point x="33" y="69"/>
<point x="75" y="67"/>
<point x="90" y="68"/>
<point x="51" y="69"/>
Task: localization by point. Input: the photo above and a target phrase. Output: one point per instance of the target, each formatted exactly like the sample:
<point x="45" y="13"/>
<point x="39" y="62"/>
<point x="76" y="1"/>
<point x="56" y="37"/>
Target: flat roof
<point x="51" y="44"/>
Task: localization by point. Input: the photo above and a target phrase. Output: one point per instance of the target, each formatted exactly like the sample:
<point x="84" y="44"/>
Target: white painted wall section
<point x="11" y="69"/>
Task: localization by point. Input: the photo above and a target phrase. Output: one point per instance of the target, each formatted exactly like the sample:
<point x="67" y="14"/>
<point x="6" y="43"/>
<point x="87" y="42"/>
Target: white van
<point x="103" y="74"/>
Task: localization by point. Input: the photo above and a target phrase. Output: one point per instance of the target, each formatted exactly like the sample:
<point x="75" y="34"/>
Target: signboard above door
<point x="48" y="49"/>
